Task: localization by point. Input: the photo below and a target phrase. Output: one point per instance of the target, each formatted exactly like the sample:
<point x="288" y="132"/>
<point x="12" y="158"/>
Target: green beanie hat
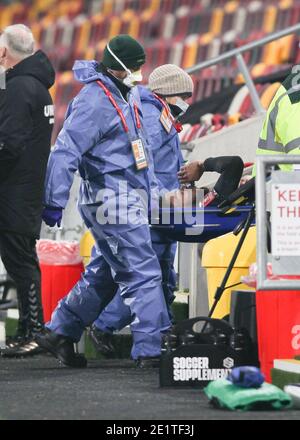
<point x="127" y="49"/>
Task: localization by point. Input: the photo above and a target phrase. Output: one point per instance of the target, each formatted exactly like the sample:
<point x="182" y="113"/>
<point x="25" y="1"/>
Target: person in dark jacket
<point x="26" y="122"/>
<point x="230" y="169"/>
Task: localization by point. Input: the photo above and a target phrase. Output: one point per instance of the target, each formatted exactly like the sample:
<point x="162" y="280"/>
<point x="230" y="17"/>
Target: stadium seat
<point x="190" y="51"/>
<point x="183" y="32"/>
<point x="268" y="95"/>
<point x="270" y="19"/>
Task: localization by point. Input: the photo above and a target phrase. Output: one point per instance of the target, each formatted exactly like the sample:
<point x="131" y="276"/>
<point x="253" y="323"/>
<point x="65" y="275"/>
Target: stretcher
<point x="235" y="214"/>
<point x="215" y="221"/>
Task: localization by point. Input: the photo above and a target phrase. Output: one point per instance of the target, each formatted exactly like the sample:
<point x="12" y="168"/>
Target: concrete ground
<point x="40" y="389"/>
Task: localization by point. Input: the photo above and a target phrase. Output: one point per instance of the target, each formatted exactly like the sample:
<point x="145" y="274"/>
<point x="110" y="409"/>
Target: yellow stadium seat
<point x="206" y="38"/>
<point x="269" y="94"/>
<point x="66" y="77"/>
<point x="53" y="89"/>
<point x="146" y="15"/>
<point x="52" y="92"/>
<point x="278" y="52"/>
<point x="115" y="27"/>
<point x="234" y="119"/>
<point x="271" y="54"/>
<point x="190" y="53"/>
<point x="217" y="21"/>
<point x="45" y="5"/>
<point x="231" y="7"/>
<point x="41" y="6"/>
<point x="6" y="17"/>
<point x="47" y="21"/>
<point x="239" y="79"/>
<point x="270" y="19"/>
<point x="75" y="6"/>
<point x="17" y="8"/>
<point x="258" y="70"/>
<point x="101" y="45"/>
<point x="62" y="8"/>
<point x="107" y="7"/>
<point x="154" y="5"/>
<point x="36" y="30"/>
<point x="132" y="21"/>
<point x="286" y="45"/>
<point x="286" y="4"/>
<point x="135" y="27"/>
<point x="90" y="53"/>
<point x="84" y="36"/>
<point x="128" y="15"/>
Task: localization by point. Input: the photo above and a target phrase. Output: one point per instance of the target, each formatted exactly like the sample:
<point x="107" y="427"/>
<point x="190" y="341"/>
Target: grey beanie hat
<point x="171" y="80"/>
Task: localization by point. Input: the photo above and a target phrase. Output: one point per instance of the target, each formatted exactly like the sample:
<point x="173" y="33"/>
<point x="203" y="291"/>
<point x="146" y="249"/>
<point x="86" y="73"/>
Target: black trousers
<point x="18" y="254"/>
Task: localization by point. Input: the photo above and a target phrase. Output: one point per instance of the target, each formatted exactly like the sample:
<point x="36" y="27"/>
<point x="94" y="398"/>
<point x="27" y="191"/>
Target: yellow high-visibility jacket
<point x="281" y="129"/>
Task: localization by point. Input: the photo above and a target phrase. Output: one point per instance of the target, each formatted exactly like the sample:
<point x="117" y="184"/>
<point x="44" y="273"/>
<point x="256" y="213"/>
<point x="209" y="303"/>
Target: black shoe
<point x="14" y="341"/>
<point x="62" y="348"/>
<point x="103" y="342"/>
<point x="22" y="349"/>
<point x="147" y="362"/>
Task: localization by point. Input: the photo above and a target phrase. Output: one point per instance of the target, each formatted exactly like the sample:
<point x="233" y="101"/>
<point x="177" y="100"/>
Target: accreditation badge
<point x="166" y="121"/>
<point x="139" y="154"/>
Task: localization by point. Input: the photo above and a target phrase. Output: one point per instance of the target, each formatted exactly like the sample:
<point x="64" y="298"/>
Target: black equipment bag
<point x="191" y="358"/>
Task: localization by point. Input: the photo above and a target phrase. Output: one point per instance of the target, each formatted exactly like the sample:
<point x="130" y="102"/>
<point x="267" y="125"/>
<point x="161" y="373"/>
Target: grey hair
<point x="19" y="41"/>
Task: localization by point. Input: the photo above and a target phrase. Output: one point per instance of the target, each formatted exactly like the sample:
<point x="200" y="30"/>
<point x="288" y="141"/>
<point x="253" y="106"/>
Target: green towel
<point x="223" y="394"/>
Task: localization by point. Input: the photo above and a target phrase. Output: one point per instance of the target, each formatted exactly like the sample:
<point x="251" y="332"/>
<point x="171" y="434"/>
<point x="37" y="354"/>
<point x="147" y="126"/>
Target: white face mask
<point x="132" y="77"/>
<point x="184" y="106"/>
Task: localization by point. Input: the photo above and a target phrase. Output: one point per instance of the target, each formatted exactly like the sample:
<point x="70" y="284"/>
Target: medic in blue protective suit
<point x="168" y="160"/>
<point x="99" y="138"/>
<point x="162" y="132"/>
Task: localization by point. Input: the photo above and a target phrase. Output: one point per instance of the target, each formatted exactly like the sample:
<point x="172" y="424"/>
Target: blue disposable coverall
<point x="167" y="162"/>
<point x="94" y="141"/>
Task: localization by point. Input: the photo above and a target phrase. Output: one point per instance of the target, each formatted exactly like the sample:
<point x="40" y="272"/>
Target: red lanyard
<point x="119" y="111"/>
<point x="137" y="116"/>
<point x="177" y="125"/>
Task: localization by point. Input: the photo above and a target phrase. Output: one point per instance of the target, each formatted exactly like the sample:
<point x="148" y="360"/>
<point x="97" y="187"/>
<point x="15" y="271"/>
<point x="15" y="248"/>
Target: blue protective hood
<point x="86" y="71"/>
<point x="148" y="97"/>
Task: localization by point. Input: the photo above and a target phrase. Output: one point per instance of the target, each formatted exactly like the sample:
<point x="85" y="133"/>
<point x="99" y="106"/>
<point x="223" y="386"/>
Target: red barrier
<point x="278" y="321"/>
<point x="57" y="281"/>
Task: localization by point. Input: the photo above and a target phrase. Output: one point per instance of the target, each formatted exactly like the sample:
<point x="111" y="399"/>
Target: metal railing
<point x="263" y="283"/>
<point x="237" y="53"/>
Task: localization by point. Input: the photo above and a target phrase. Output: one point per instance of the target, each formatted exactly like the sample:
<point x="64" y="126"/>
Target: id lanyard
<point x="137" y="145"/>
<point x="119" y="111"/>
<point x="177" y="125"/>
